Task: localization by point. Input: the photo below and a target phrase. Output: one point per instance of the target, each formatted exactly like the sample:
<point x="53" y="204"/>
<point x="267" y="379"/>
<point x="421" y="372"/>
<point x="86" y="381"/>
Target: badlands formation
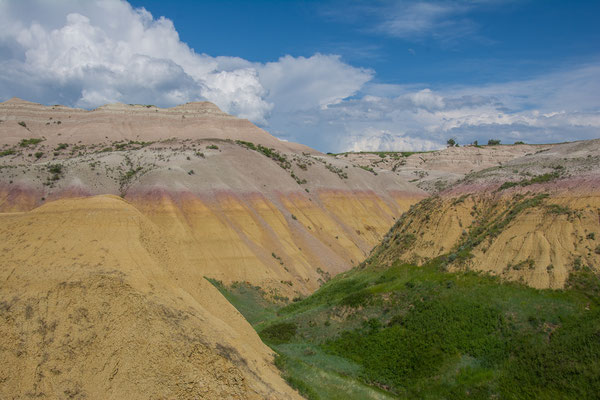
<point x="533" y="218"/>
<point x="112" y="219"/>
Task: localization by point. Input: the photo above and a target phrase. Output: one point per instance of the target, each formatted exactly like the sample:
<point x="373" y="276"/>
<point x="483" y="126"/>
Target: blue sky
<point x="468" y="42"/>
<point x="335" y="75"/>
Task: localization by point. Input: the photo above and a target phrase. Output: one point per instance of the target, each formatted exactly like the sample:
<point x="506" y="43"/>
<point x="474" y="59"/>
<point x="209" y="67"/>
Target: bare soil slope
<point x="95" y="303"/>
<point x="240" y="204"/>
<point x="437" y="170"/>
<point x="533" y="219"/>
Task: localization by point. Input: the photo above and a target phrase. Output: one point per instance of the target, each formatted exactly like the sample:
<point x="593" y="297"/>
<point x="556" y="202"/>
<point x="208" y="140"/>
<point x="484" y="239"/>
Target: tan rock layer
<point x="115" y="122"/>
<point x="539" y="247"/>
<point x="95" y="302"/>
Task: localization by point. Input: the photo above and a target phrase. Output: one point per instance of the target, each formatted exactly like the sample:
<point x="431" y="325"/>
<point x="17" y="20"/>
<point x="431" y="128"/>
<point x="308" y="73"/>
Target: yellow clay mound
<point x="95" y="303"/>
<point x="539" y="245"/>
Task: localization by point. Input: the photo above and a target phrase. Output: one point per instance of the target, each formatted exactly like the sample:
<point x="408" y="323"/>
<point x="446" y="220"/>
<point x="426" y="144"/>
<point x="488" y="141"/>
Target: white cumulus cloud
<point x="384" y="140"/>
<point x="86" y="54"/>
<point x="301" y="83"/>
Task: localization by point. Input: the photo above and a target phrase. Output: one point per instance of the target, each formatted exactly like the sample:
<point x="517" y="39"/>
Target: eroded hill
<point x="97" y="304"/>
<point x="111" y="220"/>
<point x="239" y="203"/>
<point x="534" y="219"/>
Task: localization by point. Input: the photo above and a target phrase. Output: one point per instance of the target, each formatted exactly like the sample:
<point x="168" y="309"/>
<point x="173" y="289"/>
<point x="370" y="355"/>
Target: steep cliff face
<point x="533" y="219"/>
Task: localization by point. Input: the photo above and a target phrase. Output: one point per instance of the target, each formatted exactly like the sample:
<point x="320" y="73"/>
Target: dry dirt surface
<point x="434" y="171"/>
<point x="95" y="304"/>
<point x="532" y="219"/>
<point x="239" y="203"/>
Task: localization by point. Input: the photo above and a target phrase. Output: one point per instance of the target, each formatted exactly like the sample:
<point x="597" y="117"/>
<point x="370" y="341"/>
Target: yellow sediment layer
<point x="552" y="241"/>
<point x="334" y="234"/>
<point x="250" y="238"/>
<point x="539" y="247"/>
<point x="98" y="303"/>
<point x="267" y="242"/>
<point x="365" y="213"/>
<point x="405" y="200"/>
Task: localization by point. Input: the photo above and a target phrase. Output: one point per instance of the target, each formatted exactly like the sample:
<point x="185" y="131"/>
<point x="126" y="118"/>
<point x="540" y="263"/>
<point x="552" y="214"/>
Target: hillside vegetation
<point x="423" y="332"/>
<point x="489" y="289"/>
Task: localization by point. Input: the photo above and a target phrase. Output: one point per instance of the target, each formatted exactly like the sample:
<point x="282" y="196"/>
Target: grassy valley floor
<point x="422" y="332"/>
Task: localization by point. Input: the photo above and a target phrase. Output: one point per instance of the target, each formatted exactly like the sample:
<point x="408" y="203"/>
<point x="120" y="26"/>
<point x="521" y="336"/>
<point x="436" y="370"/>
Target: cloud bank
<point x="86" y="54"/>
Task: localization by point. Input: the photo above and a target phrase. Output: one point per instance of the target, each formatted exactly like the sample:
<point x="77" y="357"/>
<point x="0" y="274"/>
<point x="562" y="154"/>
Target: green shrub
<point x="558" y="209"/>
<point x="357" y="299"/>
<point x="544" y="178"/>
<point x="279" y="333"/>
<point x="28" y="142"/>
<point x="249" y="145"/>
<point x="8" y="152"/>
<point x="338" y="171"/>
<point x="417" y="345"/>
<point x="366" y="168"/>
<point x="55" y="168"/>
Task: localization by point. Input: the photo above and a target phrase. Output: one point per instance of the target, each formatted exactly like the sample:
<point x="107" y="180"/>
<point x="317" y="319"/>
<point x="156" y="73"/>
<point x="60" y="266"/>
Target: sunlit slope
<point x="22" y="119"/>
<point x="534" y="220"/>
<point x="253" y="238"/>
<point x="96" y="302"/>
<point x="236" y="213"/>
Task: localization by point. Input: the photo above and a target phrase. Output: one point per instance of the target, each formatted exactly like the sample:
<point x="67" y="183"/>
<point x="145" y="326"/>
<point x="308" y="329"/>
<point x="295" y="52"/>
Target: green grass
<point x="317" y="383"/>
<point x="30" y="142"/>
<point x="249" y="301"/>
<point x="424" y="332"/>
<point x="278" y="333"/>
<point x="420" y="332"/>
<point x="544" y="178"/>
<point x="8" y="152"/>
